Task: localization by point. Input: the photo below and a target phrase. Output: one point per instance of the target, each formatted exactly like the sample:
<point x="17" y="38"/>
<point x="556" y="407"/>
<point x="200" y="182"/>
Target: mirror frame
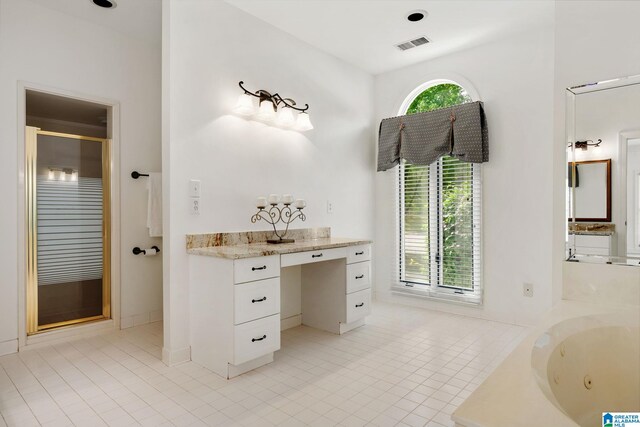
<point x="608" y="217"/>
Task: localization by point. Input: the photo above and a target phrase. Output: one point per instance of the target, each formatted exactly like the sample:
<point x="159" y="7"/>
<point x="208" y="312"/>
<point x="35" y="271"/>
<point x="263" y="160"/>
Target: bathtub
<point x="589" y="365"/>
<point x="574" y="340"/>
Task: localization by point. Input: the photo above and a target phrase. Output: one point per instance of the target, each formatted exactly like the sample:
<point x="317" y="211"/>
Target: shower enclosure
<point x="68" y="228"/>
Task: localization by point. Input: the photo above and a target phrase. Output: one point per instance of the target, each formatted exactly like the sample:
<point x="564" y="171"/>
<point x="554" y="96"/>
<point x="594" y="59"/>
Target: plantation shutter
<point x="422" y="138"/>
<point x="440" y="225"/>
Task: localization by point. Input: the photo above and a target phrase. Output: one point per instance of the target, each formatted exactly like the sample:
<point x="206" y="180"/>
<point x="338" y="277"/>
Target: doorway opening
<point x="68" y="212"/>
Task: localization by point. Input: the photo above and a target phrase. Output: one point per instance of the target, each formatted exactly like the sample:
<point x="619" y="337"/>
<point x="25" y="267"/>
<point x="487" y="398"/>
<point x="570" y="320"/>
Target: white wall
<point x="594" y="41"/>
<point x="514" y="78"/>
<point x="209" y="47"/>
<point x="43" y="47"/>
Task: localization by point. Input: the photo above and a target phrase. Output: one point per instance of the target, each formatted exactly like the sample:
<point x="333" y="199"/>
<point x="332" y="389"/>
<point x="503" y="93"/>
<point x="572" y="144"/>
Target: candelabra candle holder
<point x="276" y="214"/>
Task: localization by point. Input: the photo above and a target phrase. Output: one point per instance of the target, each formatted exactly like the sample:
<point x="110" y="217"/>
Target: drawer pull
<point x="264" y="267"/>
<point x="258" y="339"/>
<point x="359" y="305"/>
<point x="360" y="276"/>
<point x="316" y="256"/>
<point x="259" y="300"/>
<point x="360" y="253"/>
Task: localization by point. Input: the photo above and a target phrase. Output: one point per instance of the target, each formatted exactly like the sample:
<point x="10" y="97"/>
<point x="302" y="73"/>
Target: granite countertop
<point x="250" y="250"/>
<point x="592" y="229"/>
<point x="592" y="233"/>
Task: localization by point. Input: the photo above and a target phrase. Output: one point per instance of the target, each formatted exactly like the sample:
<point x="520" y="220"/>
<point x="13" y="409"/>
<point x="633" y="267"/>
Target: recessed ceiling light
<point x="416" y="15"/>
<point x="107" y="4"/>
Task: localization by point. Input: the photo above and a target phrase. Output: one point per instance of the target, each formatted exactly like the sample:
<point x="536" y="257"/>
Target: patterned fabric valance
<point x="422" y="138"/>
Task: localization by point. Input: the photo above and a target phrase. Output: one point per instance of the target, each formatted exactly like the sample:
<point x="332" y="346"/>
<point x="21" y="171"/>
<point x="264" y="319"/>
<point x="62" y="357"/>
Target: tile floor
<point x="407" y="367"/>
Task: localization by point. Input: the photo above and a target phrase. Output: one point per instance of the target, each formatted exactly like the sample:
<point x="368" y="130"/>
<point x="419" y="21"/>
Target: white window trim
<point x="436" y="293"/>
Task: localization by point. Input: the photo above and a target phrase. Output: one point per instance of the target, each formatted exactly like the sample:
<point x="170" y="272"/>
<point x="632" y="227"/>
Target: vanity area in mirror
<point x="603" y="172"/>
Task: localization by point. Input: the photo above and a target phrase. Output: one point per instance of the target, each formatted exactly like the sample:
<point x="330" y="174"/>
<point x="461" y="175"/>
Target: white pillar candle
<point x="261" y="202"/>
<point x="287" y="199"/>
<point x="300" y="203"/>
<point x="273" y="199"/>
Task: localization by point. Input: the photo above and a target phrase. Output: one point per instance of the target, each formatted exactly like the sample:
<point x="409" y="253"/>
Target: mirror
<point x="633" y="196"/>
<point x="603" y="179"/>
<point x="591" y="183"/>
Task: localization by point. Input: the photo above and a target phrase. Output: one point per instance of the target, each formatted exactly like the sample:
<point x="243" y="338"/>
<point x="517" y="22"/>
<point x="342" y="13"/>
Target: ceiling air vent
<point x="413" y="43"/>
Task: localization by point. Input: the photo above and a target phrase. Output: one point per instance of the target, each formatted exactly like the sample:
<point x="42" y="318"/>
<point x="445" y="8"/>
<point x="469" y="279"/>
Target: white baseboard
<point x="155" y="316"/>
<point x="291" y="322"/>
<point x="173" y="357"/>
<point x="140" y="319"/>
<point x="236" y="370"/>
<point x="8" y="347"/>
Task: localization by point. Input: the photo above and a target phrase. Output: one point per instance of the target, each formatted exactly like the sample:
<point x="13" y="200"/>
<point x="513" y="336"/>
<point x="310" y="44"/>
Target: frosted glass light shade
<point x="287" y="199"/>
<point x="273" y="199"/>
<point x="285" y="118"/>
<point x="266" y="113"/>
<point x="245" y="106"/>
<point x="303" y="123"/>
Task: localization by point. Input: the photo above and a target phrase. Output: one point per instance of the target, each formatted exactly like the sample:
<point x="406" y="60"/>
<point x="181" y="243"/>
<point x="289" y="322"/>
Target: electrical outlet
<point x="527" y="290"/>
<point x="194" y="188"/>
<point x="194" y="205"/>
<point x="329" y="207"/>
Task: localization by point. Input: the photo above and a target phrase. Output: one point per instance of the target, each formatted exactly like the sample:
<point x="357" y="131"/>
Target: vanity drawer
<point x="249" y="269"/>
<point x="358" y="276"/>
<point x="358" y="305"/>
<point x="583" y="250"/>
<point x="255" y="300"/>
<point x="358" y="253"/>
<point x="312" y="256"/>
<point x="256" y="338"/>
<point x="592" y="241"/>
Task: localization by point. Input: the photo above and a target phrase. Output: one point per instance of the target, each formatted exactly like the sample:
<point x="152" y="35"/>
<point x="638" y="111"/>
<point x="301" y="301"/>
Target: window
<point x="439" y="216"/>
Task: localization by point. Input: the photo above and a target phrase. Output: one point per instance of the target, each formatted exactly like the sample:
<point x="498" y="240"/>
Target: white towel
<point x="154" y="207"/>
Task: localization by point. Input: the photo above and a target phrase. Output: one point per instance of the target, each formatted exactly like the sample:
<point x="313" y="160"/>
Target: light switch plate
<point x="194" y="188"/>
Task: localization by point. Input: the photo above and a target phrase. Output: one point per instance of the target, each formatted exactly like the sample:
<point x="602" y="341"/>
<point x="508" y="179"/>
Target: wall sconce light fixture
<point x="584" y="145"/>
<point x="65" y="174"/>
<point x="273" y="110"/>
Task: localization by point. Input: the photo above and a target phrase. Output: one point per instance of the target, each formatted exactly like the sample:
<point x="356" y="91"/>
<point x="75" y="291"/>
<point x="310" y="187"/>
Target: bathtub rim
<point x="494" y="402"/>
<point x="556" y="334"/>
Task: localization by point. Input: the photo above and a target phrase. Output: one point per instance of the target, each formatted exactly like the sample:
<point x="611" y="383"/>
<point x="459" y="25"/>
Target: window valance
<point x="422" y="138"/>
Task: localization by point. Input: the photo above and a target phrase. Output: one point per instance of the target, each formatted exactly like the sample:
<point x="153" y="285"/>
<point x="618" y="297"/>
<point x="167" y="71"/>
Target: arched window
<point x="439" y="213"/>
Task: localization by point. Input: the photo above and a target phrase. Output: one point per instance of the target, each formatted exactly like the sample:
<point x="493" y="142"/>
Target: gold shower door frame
<point x="31" y="136"/>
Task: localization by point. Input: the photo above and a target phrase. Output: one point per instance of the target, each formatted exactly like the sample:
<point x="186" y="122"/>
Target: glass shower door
<point x="68" y="254"/>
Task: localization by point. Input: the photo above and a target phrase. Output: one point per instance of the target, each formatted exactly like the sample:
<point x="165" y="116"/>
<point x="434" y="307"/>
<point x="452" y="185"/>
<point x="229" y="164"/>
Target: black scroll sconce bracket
<point x="275" y="99"/>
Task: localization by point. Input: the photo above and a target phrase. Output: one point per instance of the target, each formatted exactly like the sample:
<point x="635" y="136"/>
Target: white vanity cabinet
<point x="235" y="312"/>
<point x="235" y="303"/>
<point x="337" y="294"/>
<point x="592" y="244"/>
